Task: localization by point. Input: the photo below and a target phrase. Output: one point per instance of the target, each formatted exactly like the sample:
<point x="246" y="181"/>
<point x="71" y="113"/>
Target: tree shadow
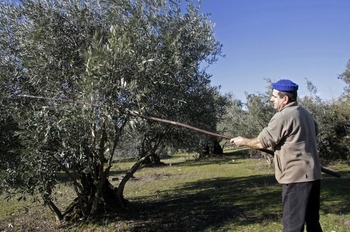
<point x="335" y="194"/>
<point x="208" y="203"/>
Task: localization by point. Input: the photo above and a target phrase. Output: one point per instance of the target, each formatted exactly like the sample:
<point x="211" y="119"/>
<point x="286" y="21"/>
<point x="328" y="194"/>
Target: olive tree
<point x="333" y="120"/>
<point x="73" y="72"/>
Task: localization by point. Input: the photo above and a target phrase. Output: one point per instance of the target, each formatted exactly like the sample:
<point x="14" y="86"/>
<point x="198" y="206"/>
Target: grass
<point x="228" y="193"/>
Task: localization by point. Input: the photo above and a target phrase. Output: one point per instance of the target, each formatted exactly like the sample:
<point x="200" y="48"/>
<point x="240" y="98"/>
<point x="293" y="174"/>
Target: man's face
<point x="278" y="102"/>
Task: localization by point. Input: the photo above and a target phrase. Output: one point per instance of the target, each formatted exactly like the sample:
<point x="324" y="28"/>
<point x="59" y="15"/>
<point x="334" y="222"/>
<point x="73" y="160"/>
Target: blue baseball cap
<point x="285" y="86"/>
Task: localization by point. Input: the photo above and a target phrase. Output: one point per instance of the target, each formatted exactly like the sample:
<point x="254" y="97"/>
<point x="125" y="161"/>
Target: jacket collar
<point x="294" y="103"/>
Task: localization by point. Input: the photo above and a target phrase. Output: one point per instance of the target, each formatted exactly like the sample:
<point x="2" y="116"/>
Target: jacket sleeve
<point x="271" y="135"/>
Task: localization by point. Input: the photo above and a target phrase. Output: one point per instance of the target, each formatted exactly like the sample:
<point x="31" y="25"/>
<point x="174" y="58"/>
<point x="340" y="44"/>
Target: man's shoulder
<point x="294" y="107"/>
<point x="297" y="111"/>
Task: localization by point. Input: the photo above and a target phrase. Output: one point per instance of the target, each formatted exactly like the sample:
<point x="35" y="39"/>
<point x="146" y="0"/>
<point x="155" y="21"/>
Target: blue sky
<point x="278" y="39"/>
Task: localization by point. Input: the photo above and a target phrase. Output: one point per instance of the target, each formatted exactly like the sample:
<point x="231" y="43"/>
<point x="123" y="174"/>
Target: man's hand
<point x="238" y="141"/>
<point x="245" y="142"/>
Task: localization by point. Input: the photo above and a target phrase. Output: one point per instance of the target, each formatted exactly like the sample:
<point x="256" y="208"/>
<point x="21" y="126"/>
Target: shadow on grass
<point x="335" y="194"/>
<point x="208" y="204"/>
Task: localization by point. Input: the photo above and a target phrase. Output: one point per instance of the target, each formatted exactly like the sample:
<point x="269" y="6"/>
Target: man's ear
<point x="285" y="99"/>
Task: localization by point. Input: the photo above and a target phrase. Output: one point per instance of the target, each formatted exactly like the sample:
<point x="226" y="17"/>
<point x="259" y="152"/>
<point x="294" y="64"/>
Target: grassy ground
<point x="228" y="193"/>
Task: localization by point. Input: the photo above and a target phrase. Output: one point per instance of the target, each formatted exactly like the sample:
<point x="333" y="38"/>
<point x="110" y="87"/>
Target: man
<point x="291" y="134"/>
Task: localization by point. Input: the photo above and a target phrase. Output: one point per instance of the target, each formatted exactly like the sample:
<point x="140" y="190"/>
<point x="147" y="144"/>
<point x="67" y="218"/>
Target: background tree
<point x="333" y="124"/>
<point x="345" y="76"/>
<point x="99" y="60"/>
<point x="248" y="119"/>
<point x="233" y="121"/>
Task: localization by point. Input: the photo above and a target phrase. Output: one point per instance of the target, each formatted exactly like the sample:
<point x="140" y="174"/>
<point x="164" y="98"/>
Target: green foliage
<point x="345" y="76"/>
<point x="87" y="63"/>
<point x="333" y="122"/>
<point x="9" y="149"/>
<point x="333" y="139"/>
<point x="260" y="112"/>
<point x="248" y="119"/>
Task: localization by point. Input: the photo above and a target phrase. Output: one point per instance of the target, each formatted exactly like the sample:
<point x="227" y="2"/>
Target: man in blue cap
<point x="291" y="134"/>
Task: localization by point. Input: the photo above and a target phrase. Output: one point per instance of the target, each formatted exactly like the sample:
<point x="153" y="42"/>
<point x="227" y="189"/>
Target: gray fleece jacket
<point x="292" y="133"/>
